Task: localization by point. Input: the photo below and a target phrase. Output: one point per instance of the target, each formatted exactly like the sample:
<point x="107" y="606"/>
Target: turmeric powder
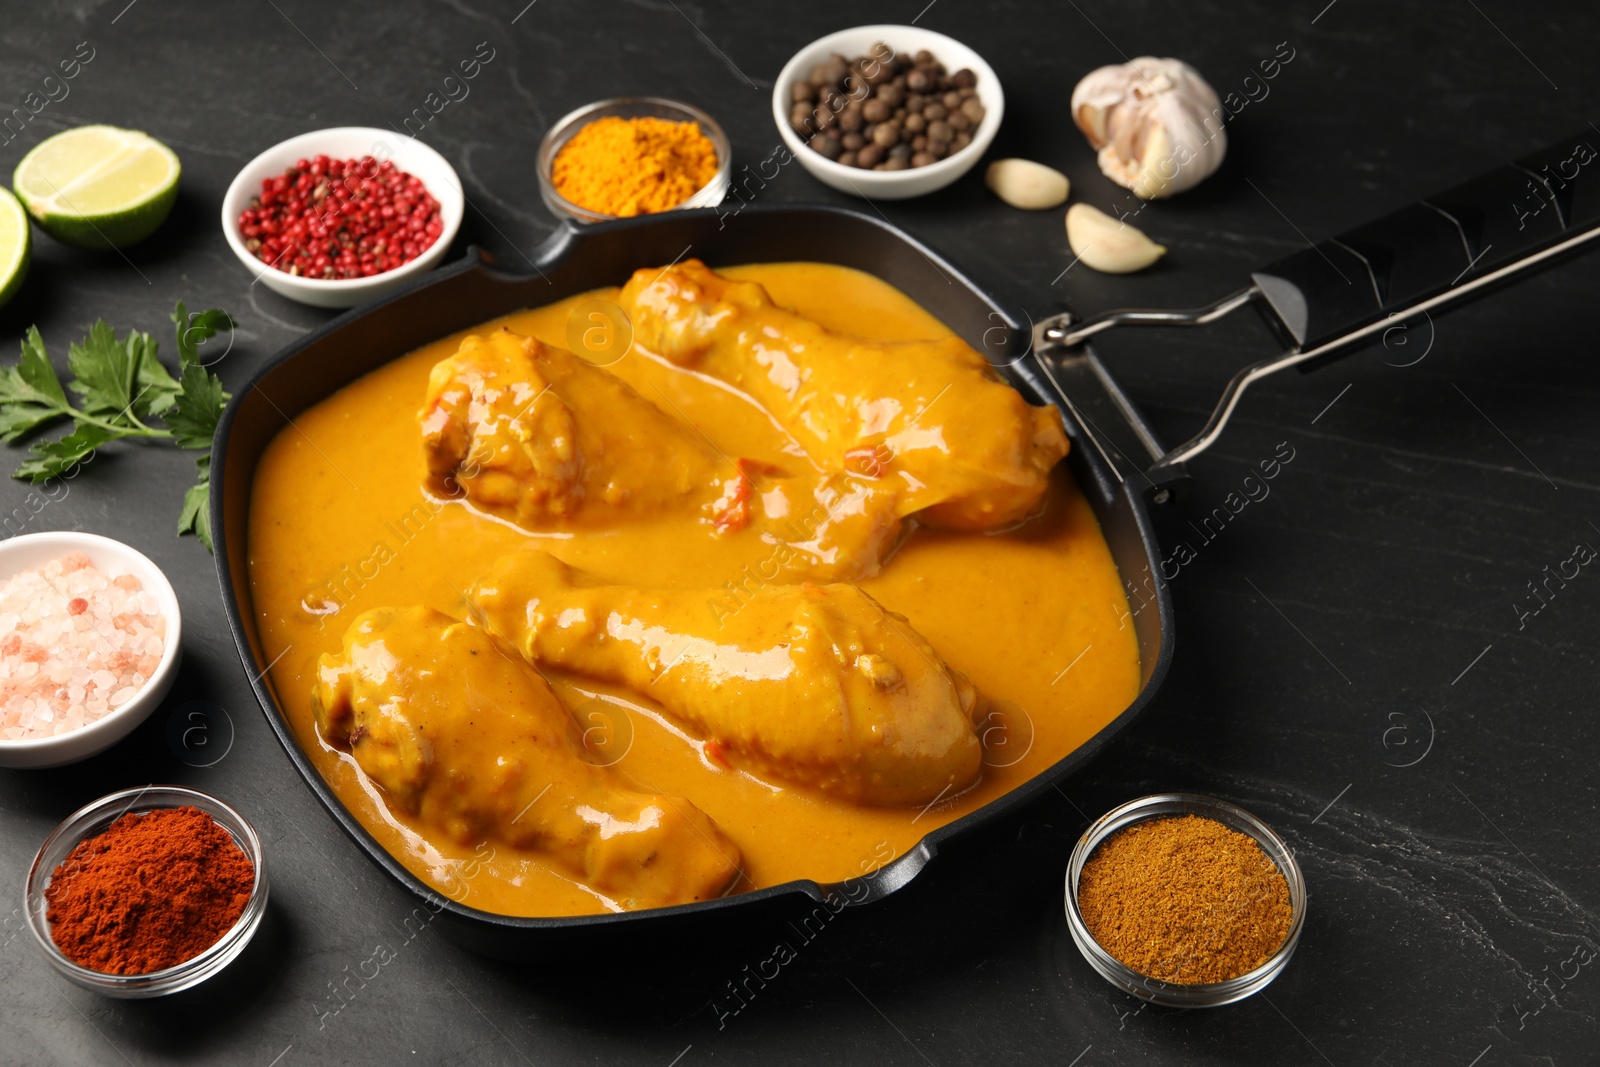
<point x="626" y="167"/>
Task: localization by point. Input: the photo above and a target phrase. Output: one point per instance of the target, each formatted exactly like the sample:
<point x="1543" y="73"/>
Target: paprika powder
<point x="155" y="889"/>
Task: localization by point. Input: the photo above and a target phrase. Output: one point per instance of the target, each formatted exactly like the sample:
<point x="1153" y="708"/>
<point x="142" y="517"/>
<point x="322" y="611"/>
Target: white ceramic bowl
<point x="905" y="40"/>
<point x="112" y="558"/>
<point x="345" y="142"/>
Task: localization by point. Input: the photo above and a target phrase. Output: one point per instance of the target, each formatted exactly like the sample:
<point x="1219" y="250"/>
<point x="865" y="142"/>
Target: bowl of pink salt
<point x="89" y="642"/>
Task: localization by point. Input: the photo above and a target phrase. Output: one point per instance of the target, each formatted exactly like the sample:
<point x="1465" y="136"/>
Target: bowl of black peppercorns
<point x="887" y="112"/>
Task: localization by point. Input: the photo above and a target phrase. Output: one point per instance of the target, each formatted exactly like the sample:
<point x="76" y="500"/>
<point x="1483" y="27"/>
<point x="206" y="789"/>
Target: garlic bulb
<point x="1156" y="122"/>
<point x="1108" y="245"/>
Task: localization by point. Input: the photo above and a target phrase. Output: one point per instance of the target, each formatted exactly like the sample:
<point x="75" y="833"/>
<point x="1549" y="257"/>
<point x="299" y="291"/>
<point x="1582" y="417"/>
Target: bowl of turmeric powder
<point x="1184" y="900"/>
<point x="638" y="155"/>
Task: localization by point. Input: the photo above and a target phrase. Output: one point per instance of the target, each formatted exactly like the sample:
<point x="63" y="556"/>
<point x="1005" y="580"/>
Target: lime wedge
<point x="98" y="186"/>
<point x="16" y="242"/>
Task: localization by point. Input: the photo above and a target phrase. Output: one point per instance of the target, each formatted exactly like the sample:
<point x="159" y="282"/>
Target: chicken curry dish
<point x="772" y="581"/>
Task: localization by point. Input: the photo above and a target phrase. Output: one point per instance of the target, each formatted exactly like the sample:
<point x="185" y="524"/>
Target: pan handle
<point x="1507" y="218"/>
<point x="1325" y="301"/>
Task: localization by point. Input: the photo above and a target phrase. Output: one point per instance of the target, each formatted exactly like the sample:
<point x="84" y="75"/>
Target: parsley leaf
<point x="197" y="408"/>
<point x="52" y="459"/>
<point x="195" y="330"/>
<point x="157" y="388"/>
<point x="105" y="370"/>
<point x="30" y="392"/>
<point x="121" y="383"/>
<point x="195" y="517"/>
<point x="198" y="403"/>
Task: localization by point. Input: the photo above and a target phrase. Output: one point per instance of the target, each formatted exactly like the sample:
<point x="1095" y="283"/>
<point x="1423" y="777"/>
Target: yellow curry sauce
<point x="340" y="523"/>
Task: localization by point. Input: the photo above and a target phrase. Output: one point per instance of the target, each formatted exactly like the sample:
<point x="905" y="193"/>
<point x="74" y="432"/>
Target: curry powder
<point x="627" y="167"/>
<point x="1185" y="900"/>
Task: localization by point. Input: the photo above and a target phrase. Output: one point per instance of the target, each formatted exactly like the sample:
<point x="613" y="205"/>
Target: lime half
<point x="98" y="186"/>
<point x="16" y="241"/>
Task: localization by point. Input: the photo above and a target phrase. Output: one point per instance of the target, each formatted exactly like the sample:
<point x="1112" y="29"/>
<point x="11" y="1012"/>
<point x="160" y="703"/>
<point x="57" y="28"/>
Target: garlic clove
<point x="1153" y="181"/>
<point x="1108" y="245"/>
<point x="1025" y="184"/>
<point x="1091" y="119"/>
<point x="1156" y="123"/>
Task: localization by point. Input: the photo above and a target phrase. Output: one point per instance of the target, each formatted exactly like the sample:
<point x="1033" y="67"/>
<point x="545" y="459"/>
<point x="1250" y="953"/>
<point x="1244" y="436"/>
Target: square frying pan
<point x="1321" y="302"/>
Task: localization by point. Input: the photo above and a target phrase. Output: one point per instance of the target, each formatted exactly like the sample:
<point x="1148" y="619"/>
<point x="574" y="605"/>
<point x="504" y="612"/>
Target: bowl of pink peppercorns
<point x="339" y="216"/>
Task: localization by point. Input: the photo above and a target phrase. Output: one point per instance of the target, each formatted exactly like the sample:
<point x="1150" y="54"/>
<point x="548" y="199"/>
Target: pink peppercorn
<point x="340" y="218"/>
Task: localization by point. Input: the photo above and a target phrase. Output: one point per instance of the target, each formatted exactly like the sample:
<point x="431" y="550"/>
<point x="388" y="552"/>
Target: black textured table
<point x="1357" y="661"/>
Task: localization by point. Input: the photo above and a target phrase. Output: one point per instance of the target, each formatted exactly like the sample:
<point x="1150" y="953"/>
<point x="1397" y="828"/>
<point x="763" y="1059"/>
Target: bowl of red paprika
<point x="336" y="217"/>
<point x="105" y="924"/>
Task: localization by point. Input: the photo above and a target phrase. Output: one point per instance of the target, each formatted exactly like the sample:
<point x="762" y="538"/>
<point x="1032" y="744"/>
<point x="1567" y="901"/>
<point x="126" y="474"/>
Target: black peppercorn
<point x="883" y="111"/>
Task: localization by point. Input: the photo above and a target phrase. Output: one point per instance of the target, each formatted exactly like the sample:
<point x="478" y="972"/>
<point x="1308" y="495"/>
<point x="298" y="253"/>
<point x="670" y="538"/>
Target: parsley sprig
<point x="122" y="390"/>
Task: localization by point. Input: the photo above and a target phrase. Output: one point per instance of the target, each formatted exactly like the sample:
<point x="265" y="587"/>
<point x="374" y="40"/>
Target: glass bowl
<point x="631" y="107"/>
<point x="1173" y="994"/>
<point x="93" y="819"/>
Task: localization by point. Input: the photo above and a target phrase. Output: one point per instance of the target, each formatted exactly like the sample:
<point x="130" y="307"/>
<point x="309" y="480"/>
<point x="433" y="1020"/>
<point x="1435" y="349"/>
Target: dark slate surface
<point x="1375" y="588"/>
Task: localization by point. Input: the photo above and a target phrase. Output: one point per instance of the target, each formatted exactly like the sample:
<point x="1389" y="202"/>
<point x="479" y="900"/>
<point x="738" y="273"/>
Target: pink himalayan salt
<point x="75" y="645"/>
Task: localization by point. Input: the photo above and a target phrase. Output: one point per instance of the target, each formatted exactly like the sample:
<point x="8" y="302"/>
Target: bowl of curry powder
<point x="1185" y="900"/>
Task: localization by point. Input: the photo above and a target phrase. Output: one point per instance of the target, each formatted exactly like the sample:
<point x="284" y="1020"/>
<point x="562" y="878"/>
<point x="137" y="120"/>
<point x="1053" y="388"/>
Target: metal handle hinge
<point x="1066" y="332"/>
